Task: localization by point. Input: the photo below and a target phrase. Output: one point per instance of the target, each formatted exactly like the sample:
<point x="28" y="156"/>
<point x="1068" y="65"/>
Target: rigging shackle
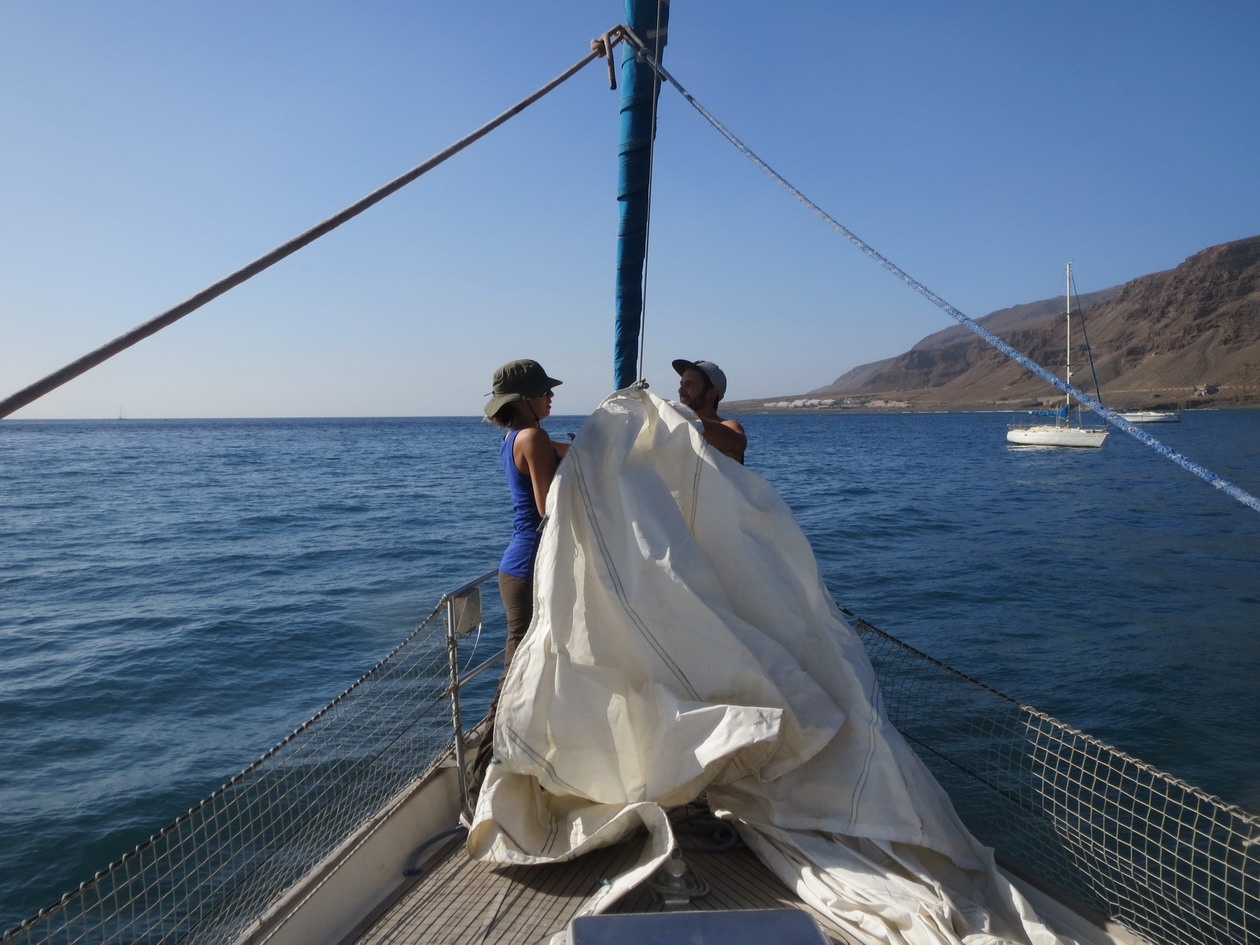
<point x="603" y="46"/>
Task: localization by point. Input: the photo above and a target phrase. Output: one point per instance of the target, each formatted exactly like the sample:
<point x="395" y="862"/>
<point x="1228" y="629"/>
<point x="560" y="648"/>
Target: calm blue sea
<point x="177" y="596"/>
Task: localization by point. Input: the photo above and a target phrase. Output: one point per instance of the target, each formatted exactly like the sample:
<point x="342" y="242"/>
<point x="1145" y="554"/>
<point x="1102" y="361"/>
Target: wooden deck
<point x="461" y="902"/>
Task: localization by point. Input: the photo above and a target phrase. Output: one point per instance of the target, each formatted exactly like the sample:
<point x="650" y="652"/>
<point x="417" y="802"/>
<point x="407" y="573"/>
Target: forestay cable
<point x="1246" y="498"/>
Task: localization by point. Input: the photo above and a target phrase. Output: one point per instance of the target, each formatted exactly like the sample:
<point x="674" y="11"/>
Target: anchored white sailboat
<point x="1061" y="430"/>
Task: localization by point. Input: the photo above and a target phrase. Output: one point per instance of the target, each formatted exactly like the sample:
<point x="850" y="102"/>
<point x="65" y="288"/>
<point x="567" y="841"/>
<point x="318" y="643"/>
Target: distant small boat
<point x="1151" y="416"/>
<point x="1062" y="430"/>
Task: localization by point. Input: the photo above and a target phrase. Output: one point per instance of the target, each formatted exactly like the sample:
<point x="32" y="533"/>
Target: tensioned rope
<point x="1084" y="331"/>
<point x="1246" y="498"/>
<point x="158" y="322"/>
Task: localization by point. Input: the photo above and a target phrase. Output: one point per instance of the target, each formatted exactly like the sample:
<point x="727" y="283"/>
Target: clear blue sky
<point x="151" y="147"/>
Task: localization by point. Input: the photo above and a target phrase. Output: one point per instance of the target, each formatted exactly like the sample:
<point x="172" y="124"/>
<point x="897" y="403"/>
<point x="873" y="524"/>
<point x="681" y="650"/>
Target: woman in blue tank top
<point x="520" y="401"/>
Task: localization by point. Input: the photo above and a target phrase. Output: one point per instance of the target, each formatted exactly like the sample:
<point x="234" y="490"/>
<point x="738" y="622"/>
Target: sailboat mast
<point x="649" y="19"/>
<point x="1067" y="403"/>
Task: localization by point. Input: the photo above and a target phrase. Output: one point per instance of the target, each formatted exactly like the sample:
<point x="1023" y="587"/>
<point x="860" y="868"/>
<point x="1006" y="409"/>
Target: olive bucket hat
<point x="518" y="380"/>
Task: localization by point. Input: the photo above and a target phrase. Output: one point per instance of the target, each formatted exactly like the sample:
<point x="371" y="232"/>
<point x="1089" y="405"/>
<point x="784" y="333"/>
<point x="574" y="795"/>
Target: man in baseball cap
<point x="701" y="387"/>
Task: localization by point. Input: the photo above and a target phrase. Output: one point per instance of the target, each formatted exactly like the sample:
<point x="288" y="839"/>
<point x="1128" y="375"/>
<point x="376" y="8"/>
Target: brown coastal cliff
<point x="1189" y="336"/>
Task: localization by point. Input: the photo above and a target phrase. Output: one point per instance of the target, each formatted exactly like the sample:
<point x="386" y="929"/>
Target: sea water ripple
<point x="177" y="596"/>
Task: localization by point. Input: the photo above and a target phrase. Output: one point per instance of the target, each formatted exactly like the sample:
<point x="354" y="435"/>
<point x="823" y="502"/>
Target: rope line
<point x="647" y="236"/>
<point x="170" y="316"/>
<point x="1085" y="332"/>
<point x="1106" y="413"/>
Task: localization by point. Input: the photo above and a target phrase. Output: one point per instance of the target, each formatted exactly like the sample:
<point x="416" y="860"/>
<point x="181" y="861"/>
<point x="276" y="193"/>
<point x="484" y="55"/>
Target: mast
<point x="649" y="19"/>
<point x="1067" y="403"/>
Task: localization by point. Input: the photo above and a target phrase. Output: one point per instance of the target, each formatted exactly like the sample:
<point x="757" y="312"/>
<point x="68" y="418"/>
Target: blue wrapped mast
<point x="649" y="19"/>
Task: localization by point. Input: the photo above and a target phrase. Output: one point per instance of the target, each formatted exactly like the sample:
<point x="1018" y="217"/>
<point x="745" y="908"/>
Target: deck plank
<point x="463" y="902"/>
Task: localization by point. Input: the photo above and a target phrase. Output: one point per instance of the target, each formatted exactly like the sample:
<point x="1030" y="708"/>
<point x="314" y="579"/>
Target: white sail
<point x="684" y="643"/>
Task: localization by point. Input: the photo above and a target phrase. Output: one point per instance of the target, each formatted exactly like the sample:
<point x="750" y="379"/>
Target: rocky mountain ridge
<point x="1188" y="336"/>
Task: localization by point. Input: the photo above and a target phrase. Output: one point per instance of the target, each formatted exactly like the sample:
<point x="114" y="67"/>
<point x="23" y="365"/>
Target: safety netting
<point x="210" y="875"/>
<point x="1158" y="855"/>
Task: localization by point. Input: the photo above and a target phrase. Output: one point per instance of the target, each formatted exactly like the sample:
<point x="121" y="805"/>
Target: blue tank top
<point x="518" y="559"/>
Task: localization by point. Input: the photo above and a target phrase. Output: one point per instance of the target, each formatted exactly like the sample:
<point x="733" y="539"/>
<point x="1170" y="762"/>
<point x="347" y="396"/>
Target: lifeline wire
<point x="1246" y="498"/>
